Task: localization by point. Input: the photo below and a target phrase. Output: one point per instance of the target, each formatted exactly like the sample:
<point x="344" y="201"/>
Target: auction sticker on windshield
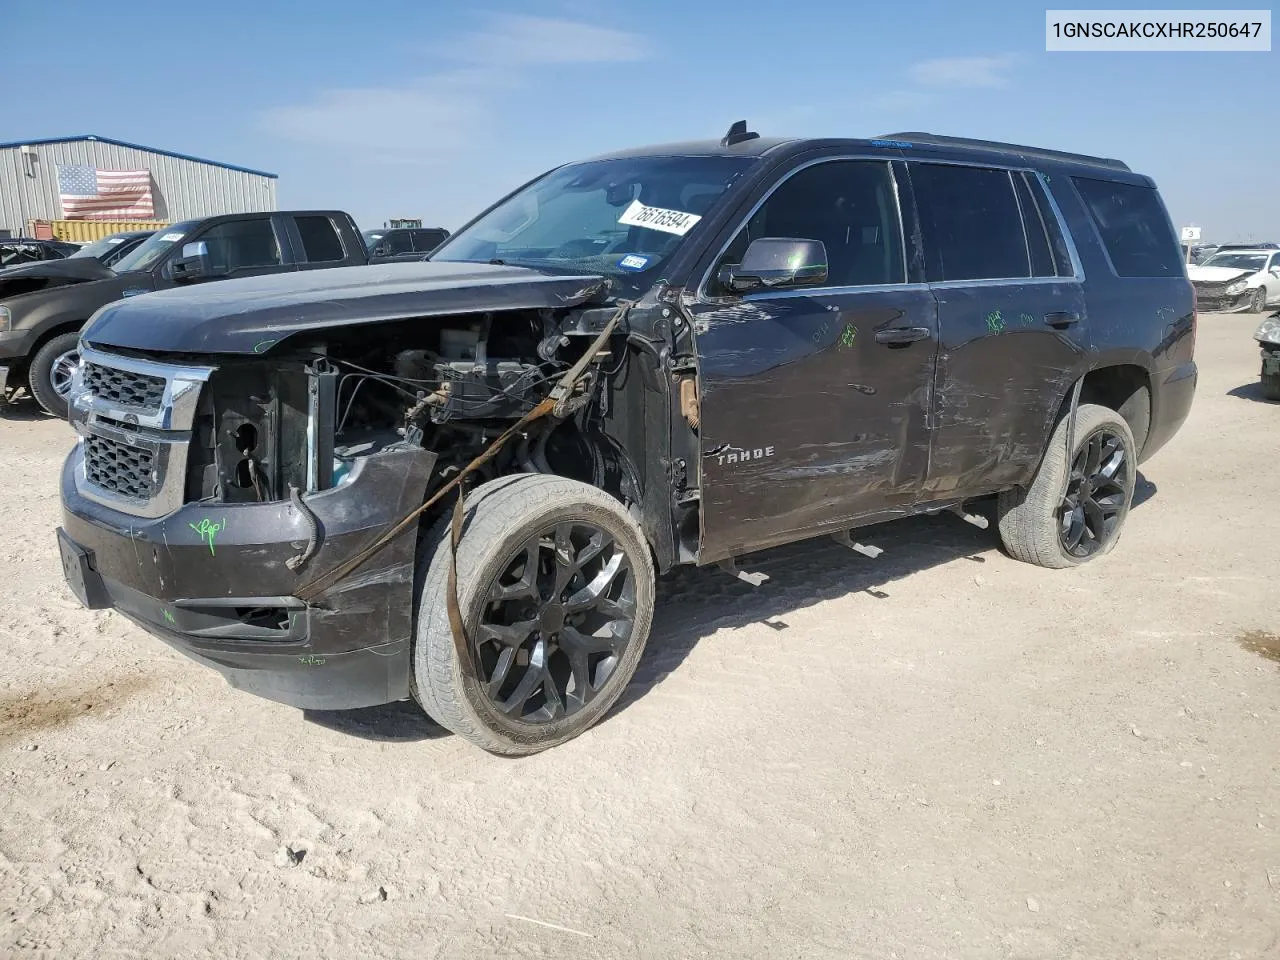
<point x="657" y="218"/>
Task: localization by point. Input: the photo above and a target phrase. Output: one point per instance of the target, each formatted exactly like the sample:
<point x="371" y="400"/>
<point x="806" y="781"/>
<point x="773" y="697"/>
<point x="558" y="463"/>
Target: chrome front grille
<point x="135" y="419"/>
<point x="127" y="388"/>
<point x="125" y="470"/>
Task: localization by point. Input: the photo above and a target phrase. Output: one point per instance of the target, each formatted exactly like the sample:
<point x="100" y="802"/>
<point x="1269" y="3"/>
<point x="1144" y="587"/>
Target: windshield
<point x="1237" y="261"/>
<point x="99" y="248"/>
<point x="148" y="253"/>
<point x="621" y="218"/>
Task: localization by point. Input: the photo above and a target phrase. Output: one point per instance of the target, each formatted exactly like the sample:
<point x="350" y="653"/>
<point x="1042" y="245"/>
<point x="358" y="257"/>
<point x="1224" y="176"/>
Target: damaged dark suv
<point x="674" y="355"/>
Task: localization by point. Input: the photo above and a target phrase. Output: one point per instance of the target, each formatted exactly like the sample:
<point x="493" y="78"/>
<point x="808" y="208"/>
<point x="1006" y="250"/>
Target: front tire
<point x="556" y="591"/>
<point x="1075" y="508"/>
<point x="49" y="376"/>
<point x="1258" y="304"/>
<point x="1270" y="385"/>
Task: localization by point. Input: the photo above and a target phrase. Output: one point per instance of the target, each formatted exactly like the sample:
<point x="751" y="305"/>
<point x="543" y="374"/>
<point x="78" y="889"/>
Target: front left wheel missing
<point x="556" y="591"/>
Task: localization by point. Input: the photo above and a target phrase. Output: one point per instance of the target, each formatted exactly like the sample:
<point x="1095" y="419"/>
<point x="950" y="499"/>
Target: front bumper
<point x="1219" y="302"/>
<point x="16" y="345"/>
<point x="210" y="580"/>
<point x="1270" y="359"/>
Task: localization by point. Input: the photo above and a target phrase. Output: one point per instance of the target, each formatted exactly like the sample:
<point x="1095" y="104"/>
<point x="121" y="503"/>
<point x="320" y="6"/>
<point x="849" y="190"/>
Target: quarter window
<point x="972" y="223"/>
<point x="848" y="205"/>
<point x="1133" y="226"/>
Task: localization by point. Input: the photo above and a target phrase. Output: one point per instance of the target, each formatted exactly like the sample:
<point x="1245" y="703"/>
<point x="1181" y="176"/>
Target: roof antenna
<point x="738" y="133"/>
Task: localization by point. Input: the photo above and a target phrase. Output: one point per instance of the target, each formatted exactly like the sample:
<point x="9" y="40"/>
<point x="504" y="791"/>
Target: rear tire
<point x="49" y="374"/>
<point x="556" y="591"/>
<point x="1075" y="508"/>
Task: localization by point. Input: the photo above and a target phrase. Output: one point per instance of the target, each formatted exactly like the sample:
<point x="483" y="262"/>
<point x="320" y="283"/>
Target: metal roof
<point x="137" y="146"/>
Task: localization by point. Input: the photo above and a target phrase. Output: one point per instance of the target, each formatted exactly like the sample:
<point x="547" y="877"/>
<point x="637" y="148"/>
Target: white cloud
<point x="963" y="71"/>
<point x="514" y="40"/>
<point x="444" y="113"/>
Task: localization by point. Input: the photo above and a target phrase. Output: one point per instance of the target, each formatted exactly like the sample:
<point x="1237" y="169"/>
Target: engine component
<point x="494" y="388"/>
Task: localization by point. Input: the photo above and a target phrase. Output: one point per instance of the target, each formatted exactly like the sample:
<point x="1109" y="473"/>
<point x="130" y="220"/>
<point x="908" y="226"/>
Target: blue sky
<point x="431" y="110"/>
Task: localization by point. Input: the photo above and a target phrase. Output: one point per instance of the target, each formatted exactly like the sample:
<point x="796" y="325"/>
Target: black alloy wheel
<point x="1094" y="503"/>
<point x="556" y="623"/>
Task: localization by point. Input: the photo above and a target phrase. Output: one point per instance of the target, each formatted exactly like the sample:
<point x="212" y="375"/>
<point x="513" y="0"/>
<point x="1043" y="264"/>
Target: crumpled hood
<point x="254" y="314"/>
<point x="44" y="274"/>
<point x="1216" y="274"/>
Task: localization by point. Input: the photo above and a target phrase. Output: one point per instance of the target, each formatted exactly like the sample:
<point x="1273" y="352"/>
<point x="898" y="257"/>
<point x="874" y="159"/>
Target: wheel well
<point x="72" y="326"/>
<point x="1125" y="389"/>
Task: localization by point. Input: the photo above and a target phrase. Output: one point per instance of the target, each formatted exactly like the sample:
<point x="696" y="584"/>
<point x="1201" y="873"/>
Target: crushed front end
<point x="199" y="497"/>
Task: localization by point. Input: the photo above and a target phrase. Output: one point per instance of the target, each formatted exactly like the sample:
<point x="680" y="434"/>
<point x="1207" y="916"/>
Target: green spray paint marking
<point x="168" y="617"/>
<point x="207" y="530"/>
<point x="262" y="345"/>
<point x="849" y="336"/>
<point x="1026" y="319"/>
<point x="995" y="321"/>
<point x="311" y="660"/>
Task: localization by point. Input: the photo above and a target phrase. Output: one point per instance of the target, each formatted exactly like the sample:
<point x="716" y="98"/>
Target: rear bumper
<point x="226" y="599"/>
<point x="1172" y="394"/>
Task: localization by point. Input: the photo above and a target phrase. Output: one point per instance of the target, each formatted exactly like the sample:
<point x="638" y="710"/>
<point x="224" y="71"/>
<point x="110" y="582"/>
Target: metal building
<point x="182" y="187"/>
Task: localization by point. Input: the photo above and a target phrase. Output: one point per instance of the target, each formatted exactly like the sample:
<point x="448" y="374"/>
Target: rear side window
<point x="320" y="241"/>
<point x="424" y="241"/>
<point x="971" y="221"/>
<point x="1133" y="226"/>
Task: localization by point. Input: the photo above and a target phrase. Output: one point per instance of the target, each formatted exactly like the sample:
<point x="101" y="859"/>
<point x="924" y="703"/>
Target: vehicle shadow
<point x="402" y="722"/>
<point x="695" y="602"/>
<point x="1250" y="391"/>
<point x="23" y="409"/>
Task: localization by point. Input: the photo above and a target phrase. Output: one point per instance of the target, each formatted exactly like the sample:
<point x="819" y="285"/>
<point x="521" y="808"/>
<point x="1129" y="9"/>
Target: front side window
<point x="399" y="241"/>
<point x="971" y="222"/>
<point x="622" y="218"/>
<point x="424" y="241"/>
<point x="1134" y="228"/>
<point x="148" y="253"/>
<point x="242" y="244"/>
<point x="847" y="205"/>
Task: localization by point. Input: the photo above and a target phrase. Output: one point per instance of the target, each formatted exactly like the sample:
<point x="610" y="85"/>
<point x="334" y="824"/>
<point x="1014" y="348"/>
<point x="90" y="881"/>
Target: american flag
<point x="91" y="194"/>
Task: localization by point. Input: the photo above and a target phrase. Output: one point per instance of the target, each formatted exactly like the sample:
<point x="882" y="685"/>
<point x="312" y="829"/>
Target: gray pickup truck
<point x="43" y="305"/>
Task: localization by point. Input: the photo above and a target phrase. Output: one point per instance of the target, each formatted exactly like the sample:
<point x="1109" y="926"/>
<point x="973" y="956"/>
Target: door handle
<point x="1061" y="318"/>
<point x="903" y="334"/>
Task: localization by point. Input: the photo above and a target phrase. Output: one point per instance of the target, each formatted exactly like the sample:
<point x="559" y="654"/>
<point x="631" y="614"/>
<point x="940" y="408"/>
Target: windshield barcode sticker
<point x="656" y="218"/>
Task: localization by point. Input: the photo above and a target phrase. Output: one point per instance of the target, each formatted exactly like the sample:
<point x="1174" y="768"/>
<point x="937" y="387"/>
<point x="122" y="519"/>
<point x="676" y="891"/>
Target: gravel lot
<point x="940" y="753"/>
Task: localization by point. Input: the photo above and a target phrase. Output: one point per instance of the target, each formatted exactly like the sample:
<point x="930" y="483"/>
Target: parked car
<point x="25" y="250"/>
<point x="1235" y="279"/>
<point x="673" y="355"/>
<point x="1268" y="337"/>
<point x="403" y="243"/>
<point x="112" y="249"/>
<point x="43" y="306"/>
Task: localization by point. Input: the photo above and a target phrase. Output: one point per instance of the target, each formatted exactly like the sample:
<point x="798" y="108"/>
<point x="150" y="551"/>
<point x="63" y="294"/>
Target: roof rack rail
<point x="943" y="141"/>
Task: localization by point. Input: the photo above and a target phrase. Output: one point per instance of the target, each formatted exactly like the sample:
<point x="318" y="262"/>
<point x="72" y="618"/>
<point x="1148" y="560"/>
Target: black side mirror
<point x="194" y="264"/>
<point x="772" y="262"/>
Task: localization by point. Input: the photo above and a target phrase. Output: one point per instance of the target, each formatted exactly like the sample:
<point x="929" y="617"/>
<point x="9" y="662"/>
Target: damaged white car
<point x="1237" y="280"/>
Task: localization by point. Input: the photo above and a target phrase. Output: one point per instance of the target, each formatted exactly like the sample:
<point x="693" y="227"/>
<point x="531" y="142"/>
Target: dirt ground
<point x="941" y="753"/>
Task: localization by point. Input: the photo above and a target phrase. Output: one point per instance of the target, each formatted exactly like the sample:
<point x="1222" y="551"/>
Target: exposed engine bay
<point x="303" y="417"/>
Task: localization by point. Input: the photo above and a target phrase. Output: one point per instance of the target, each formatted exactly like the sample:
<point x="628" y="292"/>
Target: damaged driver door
<point x="815" y="392"/>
